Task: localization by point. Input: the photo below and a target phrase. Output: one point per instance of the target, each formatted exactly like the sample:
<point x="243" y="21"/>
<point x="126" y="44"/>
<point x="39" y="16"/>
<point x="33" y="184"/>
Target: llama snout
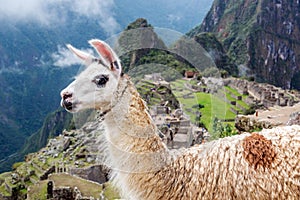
<point x="66" y="101"/>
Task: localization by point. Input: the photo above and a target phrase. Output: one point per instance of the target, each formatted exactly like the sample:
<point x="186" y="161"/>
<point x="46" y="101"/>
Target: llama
<point x="263" y="165"/>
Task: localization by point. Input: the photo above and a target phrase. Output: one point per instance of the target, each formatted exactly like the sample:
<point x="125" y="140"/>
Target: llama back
<point x="246" y="166"/>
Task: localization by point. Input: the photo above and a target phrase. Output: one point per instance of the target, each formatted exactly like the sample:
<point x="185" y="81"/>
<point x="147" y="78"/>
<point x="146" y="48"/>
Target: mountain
<point x="53" y="125"/>
<point x="35" y="65"/>
<point x="217" y="52"/>
<point x="261" y="37"/>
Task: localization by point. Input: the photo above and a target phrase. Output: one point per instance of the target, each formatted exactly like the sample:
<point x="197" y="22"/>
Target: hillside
<point x="261" y="37"/>
<point x="26" y="98"/>
<point x="73" y="152"/>
<point x="53" y="125"/>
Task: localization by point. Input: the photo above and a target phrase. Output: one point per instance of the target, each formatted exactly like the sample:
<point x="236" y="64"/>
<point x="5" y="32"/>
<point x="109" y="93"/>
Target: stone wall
<point x="97" y="173"/>
<point x="249" y="124"/>
<point x="265" y="94"/>
<point x="66" y="193"/>
<point x="294" y="119"/>
<point x="46" y="174"/>
<point x="181" y="123"/>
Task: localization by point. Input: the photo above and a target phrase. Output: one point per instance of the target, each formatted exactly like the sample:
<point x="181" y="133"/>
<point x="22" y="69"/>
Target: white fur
<point x="86" y="94"/>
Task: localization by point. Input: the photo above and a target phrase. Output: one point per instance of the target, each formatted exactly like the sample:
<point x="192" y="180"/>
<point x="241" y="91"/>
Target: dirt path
<point x="277" y="115"/>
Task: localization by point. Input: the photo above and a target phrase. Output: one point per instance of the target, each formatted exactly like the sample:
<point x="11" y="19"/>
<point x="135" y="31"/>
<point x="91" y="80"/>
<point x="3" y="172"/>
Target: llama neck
<point x="131" y="135"/>
<point x="129" y="112"/>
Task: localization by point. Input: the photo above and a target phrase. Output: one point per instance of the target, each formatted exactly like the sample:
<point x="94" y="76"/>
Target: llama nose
<point x="66" y="95"/>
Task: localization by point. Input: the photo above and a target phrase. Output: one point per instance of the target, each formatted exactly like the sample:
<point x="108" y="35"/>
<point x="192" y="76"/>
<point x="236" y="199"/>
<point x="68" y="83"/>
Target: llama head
<point x="95" y="85"/>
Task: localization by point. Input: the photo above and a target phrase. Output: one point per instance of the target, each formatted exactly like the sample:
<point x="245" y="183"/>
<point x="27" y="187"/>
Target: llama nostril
<point x="67" y="104"/>
<point x="66" y="95"/>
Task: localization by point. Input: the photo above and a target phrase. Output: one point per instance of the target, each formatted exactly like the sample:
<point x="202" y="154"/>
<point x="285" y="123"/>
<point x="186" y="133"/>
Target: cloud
<point x="65" y="58"/>
<point x="103" y="9"/>
<point x="13" y="70"/>
<point x="48" y="12"/>
<point x="17" y="10"/>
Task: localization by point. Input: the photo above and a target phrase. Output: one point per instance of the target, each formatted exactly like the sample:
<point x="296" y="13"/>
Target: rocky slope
<point x="261" y="36"/>
<point x="71" y="155"/>
<point x="217" y="52"/>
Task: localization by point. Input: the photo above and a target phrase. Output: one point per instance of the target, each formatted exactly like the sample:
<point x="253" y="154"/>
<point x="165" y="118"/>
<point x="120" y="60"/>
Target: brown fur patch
<point x="137" y="110"/>
<point x="258" y="151"/>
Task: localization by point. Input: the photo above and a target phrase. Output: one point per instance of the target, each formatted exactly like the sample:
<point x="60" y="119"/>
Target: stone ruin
<point x="177" y="130"/>
<point x="262" y="93"/>
<point x="294" y="119"/>
<point x="155" y="77"/>
<point x="65" y="193"/>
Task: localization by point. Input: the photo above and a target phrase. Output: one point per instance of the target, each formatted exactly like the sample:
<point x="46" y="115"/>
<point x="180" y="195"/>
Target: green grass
<point x="243" y="104"/>
<point x="4" y="191"/>
<point x="229" y="97"/>
<point x="110" y="192"/>
<point x="187" y="105"/>
<point x="3" y="176"/>
<point x="87" y="188"/>
<point x="179" y="85"/>
<point x="213" y="107"/>
<point x="38" y="191"/>
<point x="236" y="93"/>
<point x="233" y="91"/>
<point x="179" y="90"/>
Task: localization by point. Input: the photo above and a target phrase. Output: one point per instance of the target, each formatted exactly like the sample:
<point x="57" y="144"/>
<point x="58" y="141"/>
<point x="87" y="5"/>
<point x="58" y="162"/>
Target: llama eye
<point x="101" y="80"/>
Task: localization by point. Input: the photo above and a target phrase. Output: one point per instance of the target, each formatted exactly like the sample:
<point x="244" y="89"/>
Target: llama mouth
<point x="68" y="105"/>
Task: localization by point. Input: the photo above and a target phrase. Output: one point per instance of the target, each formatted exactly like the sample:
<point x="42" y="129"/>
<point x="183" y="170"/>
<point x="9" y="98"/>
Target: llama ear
<point x="108" y="55"/>
<point x="80" y="54"/>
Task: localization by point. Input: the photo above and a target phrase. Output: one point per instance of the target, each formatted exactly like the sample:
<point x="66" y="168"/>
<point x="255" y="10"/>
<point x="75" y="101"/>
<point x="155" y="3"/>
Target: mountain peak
<point x="138" y="23"/>
<point x="259" y="36"/>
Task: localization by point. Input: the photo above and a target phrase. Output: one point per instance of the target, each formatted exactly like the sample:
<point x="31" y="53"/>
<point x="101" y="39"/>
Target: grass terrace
<point x="87" y="188"/>
<point x="38" y="191"/>
<point x="214" y="105"/>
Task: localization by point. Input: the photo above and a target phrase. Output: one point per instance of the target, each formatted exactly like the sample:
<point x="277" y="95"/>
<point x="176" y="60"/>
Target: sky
<point x="48" y="12"/>
<point x="65" y="58"/>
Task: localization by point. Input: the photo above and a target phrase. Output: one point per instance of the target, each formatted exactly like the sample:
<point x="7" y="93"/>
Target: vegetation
<point x="155" y="94"/>
<point x="87" y="188"/>
<point x="138" y="23"/>
<point x="221" y="130"/>
<point x="27" y="174"/>
<point x="216" y="50"/>
<point x="156" y="61"/>
<point x="211" y="106"/>
<point x="110" y="192"/>
<point x="23" y="111"/>
<point x="38" y="191"/>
